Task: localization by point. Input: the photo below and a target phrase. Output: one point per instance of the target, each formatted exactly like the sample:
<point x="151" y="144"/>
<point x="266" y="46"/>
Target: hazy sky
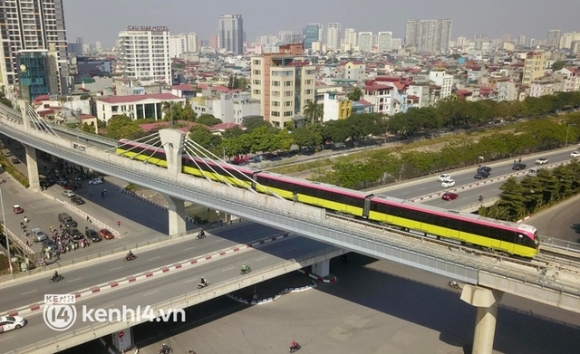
<point x="103" y="20"/>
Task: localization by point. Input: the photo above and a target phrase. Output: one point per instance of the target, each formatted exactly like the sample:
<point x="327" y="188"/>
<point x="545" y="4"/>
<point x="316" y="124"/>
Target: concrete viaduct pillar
<point x="31" y="161"/>
<point x="322" y="269"/>
<point x="172" y="141"/>
<point x="486" y="301"/>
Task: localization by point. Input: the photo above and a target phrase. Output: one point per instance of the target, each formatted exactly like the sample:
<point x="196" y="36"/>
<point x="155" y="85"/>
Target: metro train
<point x="488" y="234"/>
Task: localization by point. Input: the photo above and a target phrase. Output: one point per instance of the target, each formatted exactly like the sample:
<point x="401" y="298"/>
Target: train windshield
<point x="536" y="240"/>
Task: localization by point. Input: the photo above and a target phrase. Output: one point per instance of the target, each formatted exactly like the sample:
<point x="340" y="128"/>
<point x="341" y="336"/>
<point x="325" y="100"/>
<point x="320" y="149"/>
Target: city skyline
<point x="491" y="18"/>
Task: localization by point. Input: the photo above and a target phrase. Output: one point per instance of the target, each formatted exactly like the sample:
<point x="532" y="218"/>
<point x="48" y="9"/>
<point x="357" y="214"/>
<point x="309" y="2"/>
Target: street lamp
<point x="5" y="230"/>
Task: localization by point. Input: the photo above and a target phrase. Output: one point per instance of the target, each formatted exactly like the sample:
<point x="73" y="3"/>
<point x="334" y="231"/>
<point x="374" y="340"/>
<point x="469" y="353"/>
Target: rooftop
<point x="137" y="98"/>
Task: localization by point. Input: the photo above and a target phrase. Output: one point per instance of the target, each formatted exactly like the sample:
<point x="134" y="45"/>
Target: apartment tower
<point x="32" y="25"/>
<point x="231" y="33"/>
<point x="428" y="36"/>
<point x="144" y="54"/>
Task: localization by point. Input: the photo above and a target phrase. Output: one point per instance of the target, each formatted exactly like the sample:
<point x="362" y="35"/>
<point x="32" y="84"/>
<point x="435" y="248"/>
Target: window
<point x="275" y="83"/>
<point x="288" y="83"/>
<point x="257" y="92"/>
<point x="257" y="82"/>
<point x="308" y="92"/>
<point x="275" y="103"/>
<point x="288" y="93"/>
<point x="288" y="103"/>
<point x="288" y="114"/>
<point x="308" y="82"/>
<point x="275" y="114"/>
<point x="275" y="93"/>
<point x="256" y="62"/>
<point x="257" y="72"/>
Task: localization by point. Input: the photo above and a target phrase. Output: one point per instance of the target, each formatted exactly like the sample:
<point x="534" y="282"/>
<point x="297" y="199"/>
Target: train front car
<point x="530" y="241"/>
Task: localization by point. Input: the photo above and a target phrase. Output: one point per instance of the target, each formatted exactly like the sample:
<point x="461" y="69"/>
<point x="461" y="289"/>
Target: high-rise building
<point x="568" y="38"/>
<point x="231" y="33"/>
<point x="38" y="73"/>
<point x="428" y="36"/>
<point x="177" y="45"/>
<point x="534" y="67"/>
<point x="320" y="31"/>
<point x="144" y="55"/>
<point x="553" y="38"/>
<point x="76" y="49"/>
<point x="213" y="41"/>
<point x="311" y="34"/>
<point x="384" y="42"/>
<point x="32" y="25"/>
<point x="523" y="40"/>
<point x="365" y="41"/>
<point x="284" y="82"/>
<point x="333" y="36"/>
<point x="350" y="37"/>
<point x="192" y="42"/>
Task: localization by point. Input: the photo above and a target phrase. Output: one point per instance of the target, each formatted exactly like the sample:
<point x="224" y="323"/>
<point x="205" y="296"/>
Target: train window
<point x="381" y="208"/>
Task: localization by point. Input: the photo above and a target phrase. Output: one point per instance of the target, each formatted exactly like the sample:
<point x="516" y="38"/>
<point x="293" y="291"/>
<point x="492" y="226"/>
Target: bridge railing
<point x="180" y="302"/>
<point x="560" y="244"/>
<point x="387" y="246"/>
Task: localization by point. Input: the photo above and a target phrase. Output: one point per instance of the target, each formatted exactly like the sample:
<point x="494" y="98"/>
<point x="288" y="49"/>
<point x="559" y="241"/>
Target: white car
<point x="575" y="154"/>
<point x="8" y="323"/>
<point x="444" y="177"/>
<point x="68" y="193"/>
<point x="447" y="183"/>
<point x="542" y="161"/>
<point x="96" y="181"/>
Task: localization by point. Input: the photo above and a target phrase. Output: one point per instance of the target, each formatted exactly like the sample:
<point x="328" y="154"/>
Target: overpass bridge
<point x="485" y="273"/>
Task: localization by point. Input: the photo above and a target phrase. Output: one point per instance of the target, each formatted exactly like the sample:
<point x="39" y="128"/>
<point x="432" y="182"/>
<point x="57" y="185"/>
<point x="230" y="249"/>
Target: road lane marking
<point x="189" y="248"/>
<point x="150" y="259"/>
<point x="5" y="338"/>
<point x="151" y="293"/>
<point x="257" y="259"/>
<point x="223" y="270"/>
<point x="107" y="306"/>
<point x="110" y="270"/>
<point x="220" y="240"/>
<point x="70" y="281"/>
<point x="28" y="292"/>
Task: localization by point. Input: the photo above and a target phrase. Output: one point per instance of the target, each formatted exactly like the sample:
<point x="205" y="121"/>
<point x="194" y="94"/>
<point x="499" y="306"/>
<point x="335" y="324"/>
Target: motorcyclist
<point x="480" y="198"/>
<point x="55" y="275"/>
<point x="203" y="282"/>
<point x="294" y="345"/>
<point x="245" y="268"/>
<point x="165" y="348"/>
<point x="202" y="233"/>
<point x="130" y="254"/>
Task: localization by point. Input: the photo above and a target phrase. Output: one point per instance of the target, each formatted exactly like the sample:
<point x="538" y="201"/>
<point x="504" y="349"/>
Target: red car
<point x="449" y="196"/>
<point x="106" y="234"/>
<point x="17" y="209"/>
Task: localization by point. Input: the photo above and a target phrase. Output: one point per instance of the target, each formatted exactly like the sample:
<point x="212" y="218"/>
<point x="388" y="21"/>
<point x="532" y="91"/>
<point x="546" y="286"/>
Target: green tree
<point x="188" y="113"/>
<point x="172" y="111"/>
<point x="208" y="120"/>
<point x="204" y="137"/>
<point x="512" y="199"/>
<point x="88" y="128"/>
<point x="558" y="65"/>
<point x="313" y="111"/>
<point x="233" y="132"/>
<point x="255" y="122"/>
<point x="355" y="94"/>
<point x="123" y="127"/>
<point x="306" y="137"/>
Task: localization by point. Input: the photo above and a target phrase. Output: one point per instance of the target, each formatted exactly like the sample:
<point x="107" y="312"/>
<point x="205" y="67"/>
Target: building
<point x="135" y="106"/>
<point x="571" y="79"/>
<point x="144" y="54"/>
<point x="355" y="70"/>
<point x="177" y="45"/>
<point x="568" y="38"/>
<point x="553" y="39"/>
<point x="443" y="80"/>
<point x="284" y="82"/>
<point x="333" y="36"/>
<point x="336" y="106"/>
<point x="365" y="42"/>
<point x="76" y="49"/>
<point x="231" y="33"/>
<point x="380" y="96"/>
<point x="350" y="38"/>
<point x="32" y="25"/>
<point x="384" y="42"/>
<point x="428" y="36"/>
<point x="534" y="67"/>
<point x="311" y="35"/>
<point x="38" y="73"/>
<point x="192" y="40"/>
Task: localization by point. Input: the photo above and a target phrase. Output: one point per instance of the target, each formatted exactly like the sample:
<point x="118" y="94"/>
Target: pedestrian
<point x="26" y="219"/>
<point x="88" y="219"/>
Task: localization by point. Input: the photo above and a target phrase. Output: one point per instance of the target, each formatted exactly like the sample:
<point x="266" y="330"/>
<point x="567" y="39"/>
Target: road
<point x="171" y="285"/>
<point x="373" y="308"/>
<point x="32" y="291"/>
<point x="562" y="220"/>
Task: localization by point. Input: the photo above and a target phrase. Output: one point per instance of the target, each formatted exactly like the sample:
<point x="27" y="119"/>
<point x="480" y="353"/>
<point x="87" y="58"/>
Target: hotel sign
<point x="148" y="28"/>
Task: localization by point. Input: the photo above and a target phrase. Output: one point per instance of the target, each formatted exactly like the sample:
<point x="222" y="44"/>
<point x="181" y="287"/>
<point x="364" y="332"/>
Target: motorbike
<point x="57" y="279"/>
<point x="294" y="348"/>
<point x="201" y="234"/>
<point x="130" y="257"/>
<point x="201" y="286"/>
<point x="165" y="350"/>
<point x="245" y="271"/>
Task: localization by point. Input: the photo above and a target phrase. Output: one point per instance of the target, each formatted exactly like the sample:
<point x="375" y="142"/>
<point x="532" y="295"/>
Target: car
<point x="38" y="235"/>
<point x="449" y="196"/>
<point x="77" y="200"/>
<point x="484" y="169"/>
<point x="92" y="235"/>
<point x="67" y="220"/>
<point x="575" y="154"/>
<point x="106" y="234"/>
<point x="48" y="243"/>
<point x="17" y="209"/>
<point x="75" y="233"/>
<point x="15" y="161"/>
<point x="62" y="182"/>
<point x="481" y="175"/>
<point x="96" y="181"/>
<point x="519" y="166"/>
<point x="447" y="183"/>
<point x="8" y="323"/>
<point x="444" y="177"/>
<point x="541" y="161"/>
<point x="68" y="193"/>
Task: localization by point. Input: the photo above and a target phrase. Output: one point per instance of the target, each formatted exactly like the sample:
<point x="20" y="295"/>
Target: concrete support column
<point x="486" y="301"/>
<point x="176" y="210"/>
<point x="322" y="269"/>
<point x="24" y="111"/>
<point x="172" y="141"/>
<point x="32" y="167"/>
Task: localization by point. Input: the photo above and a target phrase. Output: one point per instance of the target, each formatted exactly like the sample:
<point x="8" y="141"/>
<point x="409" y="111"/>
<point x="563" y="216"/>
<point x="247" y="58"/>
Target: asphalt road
<point x="32" y="291"/>
<point x="562" y="220"/>
<point x="171" y="285"/>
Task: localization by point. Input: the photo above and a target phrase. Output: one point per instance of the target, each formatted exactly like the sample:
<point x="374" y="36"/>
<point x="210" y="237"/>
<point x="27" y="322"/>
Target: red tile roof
<point x="377" y="87"/>
<point x="183" y="87"/>
<point x="137" y="98"/>
<point x="366" y="103"/>
<point x="86" y="116"/>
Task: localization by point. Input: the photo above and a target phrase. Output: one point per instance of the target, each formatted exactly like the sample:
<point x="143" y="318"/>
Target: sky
<point x="102" y="20"/>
